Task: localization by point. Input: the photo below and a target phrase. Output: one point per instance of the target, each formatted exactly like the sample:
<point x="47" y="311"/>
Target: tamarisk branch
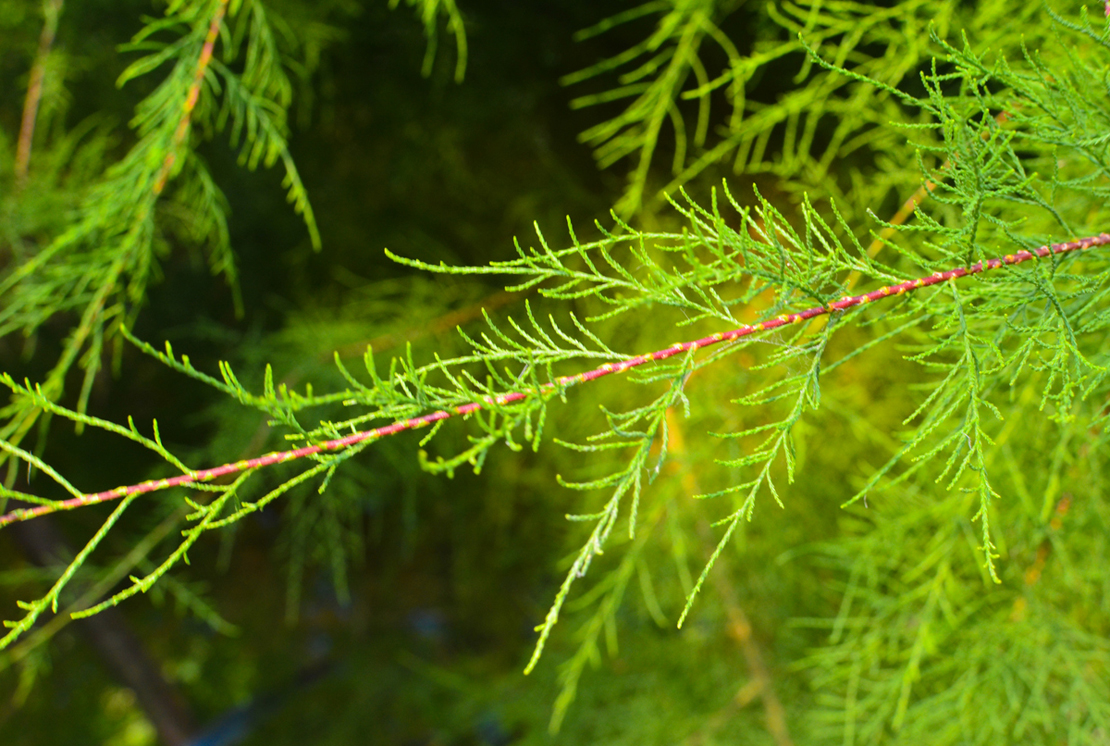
<point x="278" y="457"/>
<point x="193" y="96"/>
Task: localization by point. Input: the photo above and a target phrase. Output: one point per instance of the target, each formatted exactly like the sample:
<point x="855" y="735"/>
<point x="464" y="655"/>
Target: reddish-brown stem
<point x="193" y="96"/>
<point x="278" y="457"/>
<point x="53" y="9"/>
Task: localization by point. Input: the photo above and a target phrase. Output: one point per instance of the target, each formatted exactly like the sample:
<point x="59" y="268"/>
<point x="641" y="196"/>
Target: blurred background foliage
<point x="399" y="607"/>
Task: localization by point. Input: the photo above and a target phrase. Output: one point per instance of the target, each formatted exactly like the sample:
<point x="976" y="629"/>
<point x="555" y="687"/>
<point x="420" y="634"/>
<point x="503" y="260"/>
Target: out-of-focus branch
<point x="113" y="640"/>
<point x="738" y="627"/>
<point x="193" y="96"/>
<point x="51" y="10"/>
<point x="444" y="323"/>
<point x="94" y="593"/>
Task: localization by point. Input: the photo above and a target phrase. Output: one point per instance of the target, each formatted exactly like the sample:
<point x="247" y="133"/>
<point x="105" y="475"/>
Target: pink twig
<point x="333" y="445"/>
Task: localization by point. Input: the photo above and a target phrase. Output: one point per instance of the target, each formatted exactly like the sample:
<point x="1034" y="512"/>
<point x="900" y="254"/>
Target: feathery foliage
<point x="946" y="570"/>
<point x="98" y="268"/>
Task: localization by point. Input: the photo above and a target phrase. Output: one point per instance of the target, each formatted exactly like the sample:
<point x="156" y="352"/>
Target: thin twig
<point x="909" y="207"/>
<point x="383" y="342"/>
<point x="279" y="457"/>
<point x="193" y="95"/>
<point x="738" y="627"/>
<point x="94" y="593"/>
<point x="51" y="10"/>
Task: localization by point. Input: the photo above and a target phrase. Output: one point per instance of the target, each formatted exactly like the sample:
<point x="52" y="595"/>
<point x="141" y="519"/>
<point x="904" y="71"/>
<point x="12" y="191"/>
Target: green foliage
<point x="98" y="267"/>
<point x="939" y="452"/>
<point x="429" y="12"/>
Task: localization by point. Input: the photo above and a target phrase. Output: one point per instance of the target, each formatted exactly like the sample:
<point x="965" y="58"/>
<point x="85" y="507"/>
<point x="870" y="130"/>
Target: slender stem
<point x="279" y="457"/>
<point x="193" y="96"/>
<point x="910" y="206"/>
<point x="51" y="10"/>
<point x="382" y="342"/>
<point x="737" y="626"/>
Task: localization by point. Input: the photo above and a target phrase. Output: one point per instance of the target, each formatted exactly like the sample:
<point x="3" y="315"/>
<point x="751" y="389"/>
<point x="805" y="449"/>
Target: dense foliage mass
<point x="879" y="522"/>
